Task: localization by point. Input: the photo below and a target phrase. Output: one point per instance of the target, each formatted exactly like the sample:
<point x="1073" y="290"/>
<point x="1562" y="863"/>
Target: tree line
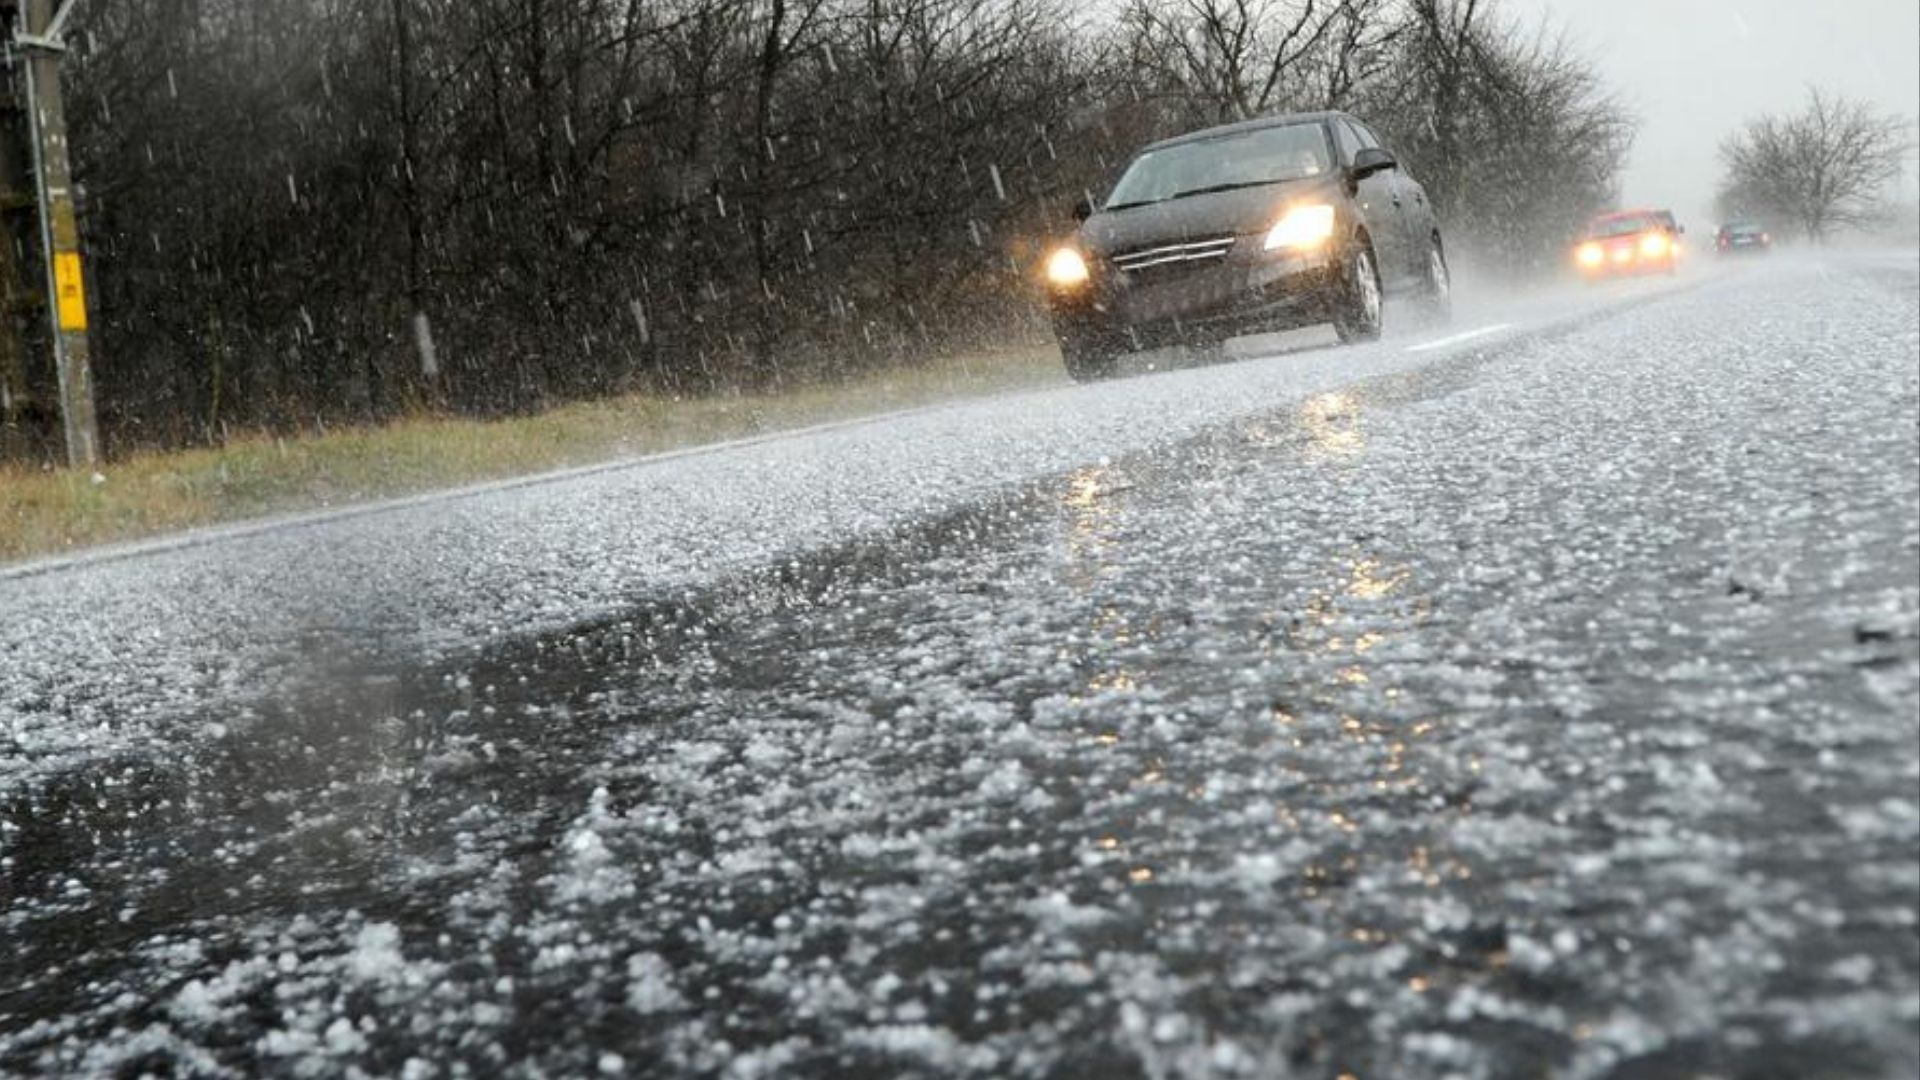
<point x="300" y="213"/>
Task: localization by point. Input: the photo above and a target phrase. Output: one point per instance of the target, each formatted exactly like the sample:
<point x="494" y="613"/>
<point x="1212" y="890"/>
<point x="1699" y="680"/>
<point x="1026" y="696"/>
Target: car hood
<point x="1200" y="217"/>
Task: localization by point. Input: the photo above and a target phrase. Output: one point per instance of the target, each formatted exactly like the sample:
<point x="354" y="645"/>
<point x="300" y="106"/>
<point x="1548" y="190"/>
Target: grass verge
<point x="46" y="512"/>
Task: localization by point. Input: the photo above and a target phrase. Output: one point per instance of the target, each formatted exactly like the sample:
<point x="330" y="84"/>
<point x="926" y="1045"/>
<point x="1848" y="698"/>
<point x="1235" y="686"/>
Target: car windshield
<point x="1621" y="226"/>
<point x="1743" y="229"/>
<point x="1262" y="156"/>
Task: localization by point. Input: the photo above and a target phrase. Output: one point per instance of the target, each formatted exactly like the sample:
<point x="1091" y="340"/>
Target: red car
<point x="1628" y="242"/>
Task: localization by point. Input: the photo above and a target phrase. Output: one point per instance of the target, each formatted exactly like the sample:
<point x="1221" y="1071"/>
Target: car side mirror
<point x="1371" y="160"/>
<point x="1082" y="208"/>
<point x="1679" y="230"/>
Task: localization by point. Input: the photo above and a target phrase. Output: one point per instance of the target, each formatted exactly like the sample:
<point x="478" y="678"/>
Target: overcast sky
<point x="1694" y="69"/>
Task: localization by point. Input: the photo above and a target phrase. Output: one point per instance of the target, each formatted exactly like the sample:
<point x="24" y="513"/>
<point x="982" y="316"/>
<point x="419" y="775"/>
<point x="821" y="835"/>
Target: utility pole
<point x="37" y="48"/>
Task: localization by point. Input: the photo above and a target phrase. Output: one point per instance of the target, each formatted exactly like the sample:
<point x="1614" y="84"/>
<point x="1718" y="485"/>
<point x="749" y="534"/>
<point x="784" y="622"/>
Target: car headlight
<point x="1654" y="245"/>
<point x="1591" y="255"/>
<point x="1066" y="269"/>
<point x="1302" y="228"/>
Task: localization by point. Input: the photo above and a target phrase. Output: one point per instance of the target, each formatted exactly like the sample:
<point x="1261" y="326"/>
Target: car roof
<point x="1617" y="215"/>
<point x="1276" y="120"/>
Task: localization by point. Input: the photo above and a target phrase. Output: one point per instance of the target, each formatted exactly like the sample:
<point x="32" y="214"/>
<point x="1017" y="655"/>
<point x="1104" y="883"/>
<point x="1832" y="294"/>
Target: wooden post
<point x="59" y="231"/>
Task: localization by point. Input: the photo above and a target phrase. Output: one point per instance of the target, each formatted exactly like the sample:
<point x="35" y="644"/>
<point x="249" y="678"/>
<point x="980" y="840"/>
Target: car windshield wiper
<point x="1236" y="185"/>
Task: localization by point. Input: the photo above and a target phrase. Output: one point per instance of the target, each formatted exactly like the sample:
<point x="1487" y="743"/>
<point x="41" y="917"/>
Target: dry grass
<point x="43" y="513"/>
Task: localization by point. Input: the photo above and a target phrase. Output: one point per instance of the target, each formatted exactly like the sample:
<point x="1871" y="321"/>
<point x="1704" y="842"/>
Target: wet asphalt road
<point x="1547" y="705"/>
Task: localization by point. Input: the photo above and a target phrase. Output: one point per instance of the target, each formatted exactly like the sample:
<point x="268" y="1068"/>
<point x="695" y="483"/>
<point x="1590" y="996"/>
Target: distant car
<point x="1628" y="242"/>
<point x="1265" y="225"/>
<point x="1742" y="238"/>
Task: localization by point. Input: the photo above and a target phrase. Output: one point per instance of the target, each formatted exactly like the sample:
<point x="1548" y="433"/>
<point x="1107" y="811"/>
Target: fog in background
<point x="1694" y="70"/>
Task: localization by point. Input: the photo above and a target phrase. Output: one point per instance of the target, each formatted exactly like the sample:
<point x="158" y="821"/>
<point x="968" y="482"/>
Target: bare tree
<point x="783" y="35"/>
<point x="1819" y="169"/>
<point x="1357" y="52"/>
<point x="1231" y="59"/>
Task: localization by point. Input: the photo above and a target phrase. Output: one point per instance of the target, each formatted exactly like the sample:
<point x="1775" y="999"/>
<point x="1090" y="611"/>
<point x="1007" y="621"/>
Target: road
<point x="1540" y="696"/>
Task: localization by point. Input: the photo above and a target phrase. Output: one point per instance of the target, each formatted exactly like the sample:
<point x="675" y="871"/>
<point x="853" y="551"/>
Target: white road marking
<point x="1458" y="338"/>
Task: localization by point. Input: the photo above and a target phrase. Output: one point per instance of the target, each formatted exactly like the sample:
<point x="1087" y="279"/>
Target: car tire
<point x="1356" y="316"/>
<point x="1436" y="292"/>
<point x="1087" y="359"/>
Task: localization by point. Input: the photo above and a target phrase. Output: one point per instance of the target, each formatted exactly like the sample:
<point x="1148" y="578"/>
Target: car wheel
<point x="1087" y="359"/>
<point x="1436" y="294"/>
<point x="1357" y="316"/>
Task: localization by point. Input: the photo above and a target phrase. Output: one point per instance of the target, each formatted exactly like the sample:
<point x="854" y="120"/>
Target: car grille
<point x="1181" y="256"/>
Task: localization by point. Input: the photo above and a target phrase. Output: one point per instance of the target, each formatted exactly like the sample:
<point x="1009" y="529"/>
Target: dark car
<point x="1265" y="225"/>
<point x="1742" y="238"/>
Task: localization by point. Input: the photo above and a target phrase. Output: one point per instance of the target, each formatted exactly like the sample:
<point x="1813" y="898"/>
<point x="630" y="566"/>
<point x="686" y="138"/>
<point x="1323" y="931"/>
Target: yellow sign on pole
<point x="72" y="291"/>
